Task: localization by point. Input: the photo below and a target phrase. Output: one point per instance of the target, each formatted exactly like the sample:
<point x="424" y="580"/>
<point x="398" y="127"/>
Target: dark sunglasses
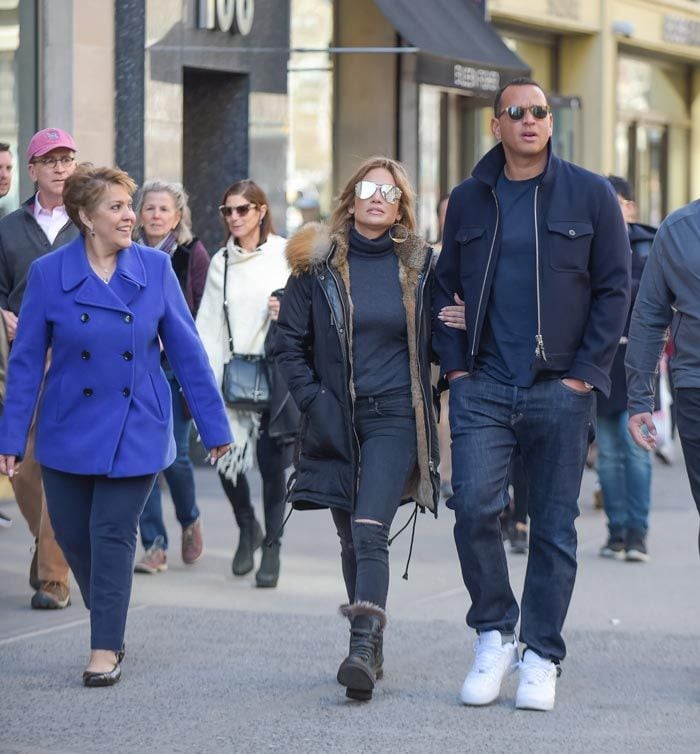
<point x="241" y="210"/>
<point x="367" y="189"/>
<point x="517" y="112"/>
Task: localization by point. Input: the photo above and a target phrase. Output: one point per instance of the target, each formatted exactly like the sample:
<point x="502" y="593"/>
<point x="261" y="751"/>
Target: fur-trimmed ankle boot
<point x="360" y="669"/>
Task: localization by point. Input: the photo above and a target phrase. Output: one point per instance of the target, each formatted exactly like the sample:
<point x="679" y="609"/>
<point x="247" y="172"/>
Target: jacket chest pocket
<point x="569" y="245"/>
<point x="473" y="249"/>
<point x="468" y="236"/>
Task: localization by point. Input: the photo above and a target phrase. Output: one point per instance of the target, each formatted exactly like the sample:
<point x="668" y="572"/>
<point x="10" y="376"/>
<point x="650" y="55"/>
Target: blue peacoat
<point x="105" y="406"/>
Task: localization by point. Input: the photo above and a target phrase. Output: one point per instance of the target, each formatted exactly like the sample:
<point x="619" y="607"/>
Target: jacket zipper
<point x="486" y="273"/>
<point x="345" y="345"/>
<point x="539" y="340"/>
<point x="426" y="405"/>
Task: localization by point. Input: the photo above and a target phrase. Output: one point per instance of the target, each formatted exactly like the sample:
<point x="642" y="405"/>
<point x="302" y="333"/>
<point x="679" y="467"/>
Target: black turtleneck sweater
<point x="379" y="339"/>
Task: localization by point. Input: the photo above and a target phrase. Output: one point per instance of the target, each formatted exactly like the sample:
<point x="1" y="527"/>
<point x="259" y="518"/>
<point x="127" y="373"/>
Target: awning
<point x="457" y="47"/>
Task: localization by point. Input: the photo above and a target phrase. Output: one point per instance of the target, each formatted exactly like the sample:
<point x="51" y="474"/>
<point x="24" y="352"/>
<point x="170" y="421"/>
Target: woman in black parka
<point x="354" y="345"/>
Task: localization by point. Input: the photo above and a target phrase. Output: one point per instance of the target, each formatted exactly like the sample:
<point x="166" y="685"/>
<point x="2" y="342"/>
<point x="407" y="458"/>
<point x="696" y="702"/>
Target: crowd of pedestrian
<point x="126" y="340"/>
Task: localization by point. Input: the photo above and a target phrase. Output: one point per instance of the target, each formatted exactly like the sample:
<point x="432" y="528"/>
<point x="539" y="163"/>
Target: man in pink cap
<point x="39" y="226"/>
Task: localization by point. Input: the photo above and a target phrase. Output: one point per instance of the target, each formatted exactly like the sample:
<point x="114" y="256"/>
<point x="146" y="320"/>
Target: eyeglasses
<point x="517" y="112"/>
<point x="51" y="162"/>
<point x="241" y="210"/>
<point x="367" y="189"/>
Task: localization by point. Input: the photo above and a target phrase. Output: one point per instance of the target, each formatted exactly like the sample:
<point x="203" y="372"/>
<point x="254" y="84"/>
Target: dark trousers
<point x="273" y="458"/>
<point x="179" y="476"/>
<point x="551" y="426"/>
<point x="687" y="403"/>
<point x="386" y="428"/>
<point x="95" y="519"/>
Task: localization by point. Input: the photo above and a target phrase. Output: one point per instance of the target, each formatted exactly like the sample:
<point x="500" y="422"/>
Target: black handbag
<point x="245" y="385"/>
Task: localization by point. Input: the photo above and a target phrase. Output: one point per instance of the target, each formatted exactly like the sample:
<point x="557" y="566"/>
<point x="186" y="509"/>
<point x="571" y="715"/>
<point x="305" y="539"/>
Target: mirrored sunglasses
<point x="241" y="210"/>
<point x="517" y="112"/>
<point x="367" y="189"/>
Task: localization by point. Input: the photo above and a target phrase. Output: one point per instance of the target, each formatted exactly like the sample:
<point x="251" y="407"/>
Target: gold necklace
<point x="106" y="272"/>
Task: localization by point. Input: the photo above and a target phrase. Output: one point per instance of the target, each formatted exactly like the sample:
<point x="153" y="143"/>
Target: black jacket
<point x="284" y="420"/>
<point x="641" y="238"/>
<point x="583" y="265"/>
<point x="21" y="242"/>
<point x="314" y="352"/>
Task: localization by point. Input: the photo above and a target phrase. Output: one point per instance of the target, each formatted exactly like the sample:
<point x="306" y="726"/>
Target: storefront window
<point x="9" y="119"/>
<point x="651" y="138"/>
<point x="310" y="86"/>
<point x="429" y="190"/>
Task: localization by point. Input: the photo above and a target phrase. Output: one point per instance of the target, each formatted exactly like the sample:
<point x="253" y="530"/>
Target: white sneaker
<point x="493" y="662"/>
<point x="538" y="680"/>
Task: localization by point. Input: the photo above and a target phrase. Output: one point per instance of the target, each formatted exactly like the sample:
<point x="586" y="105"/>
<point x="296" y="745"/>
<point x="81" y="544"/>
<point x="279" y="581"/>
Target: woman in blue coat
<point x="102" y="304"/>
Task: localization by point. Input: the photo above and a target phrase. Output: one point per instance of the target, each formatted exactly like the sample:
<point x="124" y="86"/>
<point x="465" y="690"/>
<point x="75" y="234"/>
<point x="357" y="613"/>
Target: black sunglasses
<point x="241" y="210"/>
<point x="517" y="112"/>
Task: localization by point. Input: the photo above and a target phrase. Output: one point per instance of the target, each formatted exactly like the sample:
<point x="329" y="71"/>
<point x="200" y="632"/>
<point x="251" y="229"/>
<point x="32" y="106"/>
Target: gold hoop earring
<point x="398" y="233"/>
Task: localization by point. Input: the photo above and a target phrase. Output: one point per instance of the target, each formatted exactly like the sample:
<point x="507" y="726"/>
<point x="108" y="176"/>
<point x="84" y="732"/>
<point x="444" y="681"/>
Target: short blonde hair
<point x="341" y="219"/>
<point x="86" y="186"/>
<point x="183" y="230"/>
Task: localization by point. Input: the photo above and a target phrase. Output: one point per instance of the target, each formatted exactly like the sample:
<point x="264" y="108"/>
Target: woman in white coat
<point x="255" y="264"/>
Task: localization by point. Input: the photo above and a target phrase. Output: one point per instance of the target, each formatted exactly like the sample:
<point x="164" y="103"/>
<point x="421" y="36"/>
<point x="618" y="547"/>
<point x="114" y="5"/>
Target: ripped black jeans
<point x="386" y="428"/>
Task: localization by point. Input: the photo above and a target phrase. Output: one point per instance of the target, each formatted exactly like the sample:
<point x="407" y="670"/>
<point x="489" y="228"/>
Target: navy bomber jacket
<point x="583" y="259"/>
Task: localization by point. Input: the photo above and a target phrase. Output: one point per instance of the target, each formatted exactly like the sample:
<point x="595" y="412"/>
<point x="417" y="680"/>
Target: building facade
<point x="294" y="93"/>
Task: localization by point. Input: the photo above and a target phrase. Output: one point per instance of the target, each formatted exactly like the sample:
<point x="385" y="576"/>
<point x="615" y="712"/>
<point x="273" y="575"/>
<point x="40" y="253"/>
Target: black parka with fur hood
<point x="314" y="352"/>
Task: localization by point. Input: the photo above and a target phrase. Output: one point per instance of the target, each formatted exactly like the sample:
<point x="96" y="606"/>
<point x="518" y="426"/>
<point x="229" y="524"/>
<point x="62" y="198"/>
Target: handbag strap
<point x="226" y="315"/>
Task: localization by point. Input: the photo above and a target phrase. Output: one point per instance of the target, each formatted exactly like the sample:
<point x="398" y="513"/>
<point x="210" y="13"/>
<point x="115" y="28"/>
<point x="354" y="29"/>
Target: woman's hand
<point x="8" y="465"/>
<point x="454" y="316"/>
<point x="273" y="306"/>
<point x="217" y="452"/>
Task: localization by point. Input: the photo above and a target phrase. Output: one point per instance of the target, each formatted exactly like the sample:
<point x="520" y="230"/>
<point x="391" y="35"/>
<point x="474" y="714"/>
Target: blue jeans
<point x="179" y="476"/>
<point x="625" y="475"/>
<point x="551" y="426"/>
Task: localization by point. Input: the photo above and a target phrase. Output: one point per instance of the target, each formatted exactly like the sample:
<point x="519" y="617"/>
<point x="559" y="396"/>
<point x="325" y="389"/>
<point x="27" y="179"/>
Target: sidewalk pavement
<point x="214" y="664"/>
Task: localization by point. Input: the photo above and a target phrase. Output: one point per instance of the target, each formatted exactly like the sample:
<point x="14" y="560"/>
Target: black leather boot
<point x="359" y="670"/>
<point x="269" y="570"/>
<point x="251" y="538"/>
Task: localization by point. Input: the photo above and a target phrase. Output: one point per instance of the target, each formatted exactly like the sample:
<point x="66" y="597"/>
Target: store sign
<point x="681" y="31"/>
<point x="235" y="16"/>
<point x="466" y="77"/>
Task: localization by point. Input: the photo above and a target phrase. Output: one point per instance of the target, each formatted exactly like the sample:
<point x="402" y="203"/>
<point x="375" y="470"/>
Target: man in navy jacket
<point x="538" y="250"/>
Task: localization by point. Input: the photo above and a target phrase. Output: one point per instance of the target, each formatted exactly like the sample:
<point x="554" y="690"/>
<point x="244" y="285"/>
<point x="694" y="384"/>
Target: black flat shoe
<point x="94" y="680"/>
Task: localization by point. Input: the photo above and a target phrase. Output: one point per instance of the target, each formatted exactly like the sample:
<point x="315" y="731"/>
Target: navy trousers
<point x="95" y="519"/>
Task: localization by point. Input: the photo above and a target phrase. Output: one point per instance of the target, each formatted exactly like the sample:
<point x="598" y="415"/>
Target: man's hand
<point x="578" y="385"/>
<point x="8" y="465"/>
<point x="10" y="323"/>
<point x="454" y="374"/>
<point x="453" y="316"/>
<point x="643" y="430"/>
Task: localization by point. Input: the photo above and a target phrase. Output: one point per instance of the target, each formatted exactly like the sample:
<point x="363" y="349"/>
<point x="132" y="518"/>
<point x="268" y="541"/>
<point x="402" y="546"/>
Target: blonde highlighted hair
<point x="341" y="219"/>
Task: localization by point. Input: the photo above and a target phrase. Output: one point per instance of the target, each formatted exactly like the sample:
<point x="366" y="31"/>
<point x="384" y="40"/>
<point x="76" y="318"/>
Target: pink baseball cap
<point x="47" y="139"/>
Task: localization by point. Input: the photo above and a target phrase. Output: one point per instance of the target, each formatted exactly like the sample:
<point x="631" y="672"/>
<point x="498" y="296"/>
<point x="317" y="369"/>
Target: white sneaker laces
<point x="487" y="657"/>
<point x="536" y="673"/>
